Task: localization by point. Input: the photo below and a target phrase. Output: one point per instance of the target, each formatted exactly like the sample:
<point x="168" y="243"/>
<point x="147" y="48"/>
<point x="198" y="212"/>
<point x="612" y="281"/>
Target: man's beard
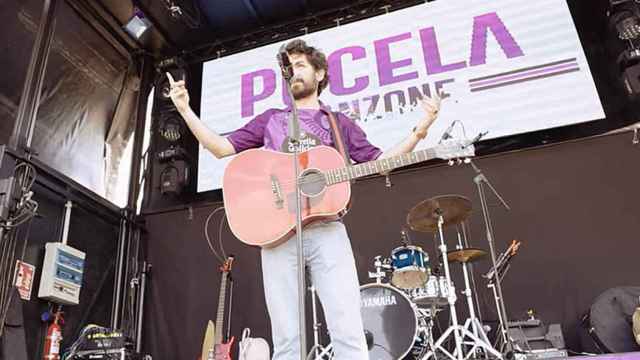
<point x="304" y="91"/>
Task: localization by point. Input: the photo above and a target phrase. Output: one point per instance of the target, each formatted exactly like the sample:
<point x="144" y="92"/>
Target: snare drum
<point x="410" y="267"/>
<point x="434" y="292"/>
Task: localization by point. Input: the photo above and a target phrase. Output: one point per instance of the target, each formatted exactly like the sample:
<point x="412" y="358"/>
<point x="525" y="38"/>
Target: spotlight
<point x="138" y="25"/>
<point x="624" y="29"/>
<point x="170" y="127"/>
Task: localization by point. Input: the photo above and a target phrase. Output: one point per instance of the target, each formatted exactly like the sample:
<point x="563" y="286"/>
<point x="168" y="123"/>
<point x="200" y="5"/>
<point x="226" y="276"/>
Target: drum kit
<point x="399" y="315"/>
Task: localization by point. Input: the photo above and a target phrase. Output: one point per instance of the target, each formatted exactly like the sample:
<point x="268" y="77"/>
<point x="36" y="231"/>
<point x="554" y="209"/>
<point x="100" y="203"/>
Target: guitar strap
<point x="336" y="134"/>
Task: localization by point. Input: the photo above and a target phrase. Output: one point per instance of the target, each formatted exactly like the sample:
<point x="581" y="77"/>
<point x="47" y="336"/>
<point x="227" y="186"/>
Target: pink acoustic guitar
<point x="259" y="187"/>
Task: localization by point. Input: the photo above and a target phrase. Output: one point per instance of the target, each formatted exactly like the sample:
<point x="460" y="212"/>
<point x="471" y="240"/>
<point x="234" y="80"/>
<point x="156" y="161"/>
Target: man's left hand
<point x="431" y="107"/>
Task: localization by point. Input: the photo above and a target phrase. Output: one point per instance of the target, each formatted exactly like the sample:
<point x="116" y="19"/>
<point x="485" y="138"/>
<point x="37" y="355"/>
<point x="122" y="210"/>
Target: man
<point x="327" y="247"/>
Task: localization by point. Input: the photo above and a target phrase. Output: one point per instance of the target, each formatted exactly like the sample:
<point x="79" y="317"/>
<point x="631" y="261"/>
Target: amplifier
<point x="107" y="354"/>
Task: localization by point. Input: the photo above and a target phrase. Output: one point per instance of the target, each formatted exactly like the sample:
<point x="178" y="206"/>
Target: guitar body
<point x="259" y="193"/>
<point x="213" y="346"/>
<point x="223" y="351"/>
<point x="208" y="341"/>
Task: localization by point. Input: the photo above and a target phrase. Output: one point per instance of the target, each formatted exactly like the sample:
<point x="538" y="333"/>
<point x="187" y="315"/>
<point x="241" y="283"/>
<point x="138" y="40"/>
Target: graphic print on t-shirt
<point x="307" y="141"/>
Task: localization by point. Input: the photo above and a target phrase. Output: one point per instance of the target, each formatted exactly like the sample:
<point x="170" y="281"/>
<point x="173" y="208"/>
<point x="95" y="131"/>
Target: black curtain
<point x="574" y="207"/>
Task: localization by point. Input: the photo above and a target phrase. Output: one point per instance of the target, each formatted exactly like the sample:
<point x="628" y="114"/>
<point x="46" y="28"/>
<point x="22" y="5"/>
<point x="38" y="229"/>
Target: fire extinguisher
<point x="54" y="337"/>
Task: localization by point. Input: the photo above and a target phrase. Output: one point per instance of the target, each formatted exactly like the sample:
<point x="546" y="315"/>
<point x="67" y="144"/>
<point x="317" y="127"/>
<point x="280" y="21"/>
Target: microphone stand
<point x="294" y="135"/>
<point x="481" y="180"/>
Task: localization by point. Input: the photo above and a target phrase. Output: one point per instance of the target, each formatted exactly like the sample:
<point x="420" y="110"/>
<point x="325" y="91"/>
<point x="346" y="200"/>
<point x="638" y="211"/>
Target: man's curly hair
<point x="316" y="58"/>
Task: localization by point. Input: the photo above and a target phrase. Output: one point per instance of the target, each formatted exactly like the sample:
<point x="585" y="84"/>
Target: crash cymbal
<point x="466" y="255"/>
<point x="424" y="216"/>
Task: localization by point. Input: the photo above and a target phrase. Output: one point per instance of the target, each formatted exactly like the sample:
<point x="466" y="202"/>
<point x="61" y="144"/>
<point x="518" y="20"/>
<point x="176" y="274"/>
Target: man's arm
<point x="431" y="106"/>
<point x="405" y="146"/>
<point x="218" y="145"/>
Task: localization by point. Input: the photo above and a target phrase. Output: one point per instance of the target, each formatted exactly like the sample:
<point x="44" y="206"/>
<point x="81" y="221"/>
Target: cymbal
<point x="424" y="216"/>
<point x="466" y="255"/>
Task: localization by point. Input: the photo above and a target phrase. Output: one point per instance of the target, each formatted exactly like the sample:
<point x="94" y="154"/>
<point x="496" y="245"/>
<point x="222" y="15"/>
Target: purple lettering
<point x="431" y="54"/>
<point x="386" y="66"/>
<point x="286" y="99"/>
<point x="388" y="101"/>
<point x="481" y="25"/>
<point x="439" y="85"/>
<point x="336" y="74"/>
<point x="353" y="111"/>
<point x="373" y="104"/>
<point x="415" y="94"/>
<point x="247" y="96"/>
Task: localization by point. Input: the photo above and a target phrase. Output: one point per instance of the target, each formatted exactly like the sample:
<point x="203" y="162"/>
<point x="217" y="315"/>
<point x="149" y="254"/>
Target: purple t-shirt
<point x="269" y="129"/>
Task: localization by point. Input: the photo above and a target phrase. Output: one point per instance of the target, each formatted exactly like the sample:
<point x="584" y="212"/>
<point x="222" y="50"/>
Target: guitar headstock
<point x="226" y="266"/>
<point x="454" y="149"/>
<point x="513" y="248"/>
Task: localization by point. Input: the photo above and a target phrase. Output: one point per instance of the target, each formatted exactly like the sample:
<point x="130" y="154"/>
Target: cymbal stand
<point x="472" y="324"/>
<point x="455" y="328"/>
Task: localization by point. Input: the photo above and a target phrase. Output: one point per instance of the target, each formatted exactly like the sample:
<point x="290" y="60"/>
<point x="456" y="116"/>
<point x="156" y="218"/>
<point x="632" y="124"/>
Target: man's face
<point x="305" y="78"/>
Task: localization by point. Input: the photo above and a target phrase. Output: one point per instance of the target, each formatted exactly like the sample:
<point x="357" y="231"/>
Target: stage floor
<point x="622" y="356"/>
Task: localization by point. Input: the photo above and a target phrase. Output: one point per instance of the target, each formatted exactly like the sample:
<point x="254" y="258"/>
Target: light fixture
<point x="137" y="25"/>
<point x="624" y="29"/>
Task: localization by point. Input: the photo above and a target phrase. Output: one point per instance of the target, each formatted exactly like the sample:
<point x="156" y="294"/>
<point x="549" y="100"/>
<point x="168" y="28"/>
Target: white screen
<point x="506" y="67"/>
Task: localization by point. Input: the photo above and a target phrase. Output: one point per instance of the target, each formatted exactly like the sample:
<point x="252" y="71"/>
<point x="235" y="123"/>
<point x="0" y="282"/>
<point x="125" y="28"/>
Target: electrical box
<point x="62" y="272"/>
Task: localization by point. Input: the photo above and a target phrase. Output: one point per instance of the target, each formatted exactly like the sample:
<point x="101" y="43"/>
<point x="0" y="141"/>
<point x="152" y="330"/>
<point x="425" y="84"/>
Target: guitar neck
<point x="348" y="173"/>
<point x="220" y="316"/>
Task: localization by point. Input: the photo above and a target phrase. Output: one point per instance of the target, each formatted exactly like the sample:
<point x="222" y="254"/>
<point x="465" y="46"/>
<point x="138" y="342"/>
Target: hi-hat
<point x="424" y="216"/>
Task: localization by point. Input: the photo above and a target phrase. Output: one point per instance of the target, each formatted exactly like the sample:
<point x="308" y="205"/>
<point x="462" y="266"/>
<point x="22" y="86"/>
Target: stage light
<point x="170" y="126"/>
<point x="624" y="24"/>
<point x="138" y="25"/>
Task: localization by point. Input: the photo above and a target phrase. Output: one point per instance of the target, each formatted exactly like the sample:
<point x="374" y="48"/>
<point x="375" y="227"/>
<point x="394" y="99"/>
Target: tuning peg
<point x="451" y="162"/>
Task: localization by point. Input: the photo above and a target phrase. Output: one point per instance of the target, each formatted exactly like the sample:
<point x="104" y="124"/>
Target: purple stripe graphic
<point x="517" y="71"/>
<point x="525" y="74"/>
<point x="542" y="76"/>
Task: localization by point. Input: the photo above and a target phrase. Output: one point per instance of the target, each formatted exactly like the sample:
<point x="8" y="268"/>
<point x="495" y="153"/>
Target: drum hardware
<point x="399" y="317"/>
<point x="449" y="210"/>
<point x="379" y="265"/>
<point x="472" y="324"/>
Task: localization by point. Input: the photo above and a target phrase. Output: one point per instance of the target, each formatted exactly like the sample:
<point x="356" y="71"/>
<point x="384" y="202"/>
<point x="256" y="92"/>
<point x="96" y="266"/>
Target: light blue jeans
<point x="329" y="257"/>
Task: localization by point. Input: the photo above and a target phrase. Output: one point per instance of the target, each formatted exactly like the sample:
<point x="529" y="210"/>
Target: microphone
<point x="479" y="136"/>
<point x="285" y="64"/>
<point x="447" y="133"/>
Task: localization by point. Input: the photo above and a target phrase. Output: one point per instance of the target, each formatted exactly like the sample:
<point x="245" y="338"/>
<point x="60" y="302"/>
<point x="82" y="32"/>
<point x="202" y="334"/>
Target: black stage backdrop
<point x="574" y="207"/>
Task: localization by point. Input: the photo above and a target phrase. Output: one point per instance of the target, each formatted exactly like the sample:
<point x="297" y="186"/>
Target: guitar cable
<point x="206" y="234"/>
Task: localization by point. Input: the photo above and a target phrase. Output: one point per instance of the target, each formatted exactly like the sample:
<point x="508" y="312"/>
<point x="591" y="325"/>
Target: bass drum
<point x="390" y="321"/>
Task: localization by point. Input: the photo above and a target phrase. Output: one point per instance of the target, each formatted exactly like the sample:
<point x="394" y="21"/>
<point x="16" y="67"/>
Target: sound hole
<point x="312" y="182"/>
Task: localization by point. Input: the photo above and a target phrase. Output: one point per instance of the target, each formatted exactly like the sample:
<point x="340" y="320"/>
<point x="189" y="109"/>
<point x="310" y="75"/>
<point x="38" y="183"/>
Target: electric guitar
<point x="259" y="187"/>
<point x="217" y="349"/>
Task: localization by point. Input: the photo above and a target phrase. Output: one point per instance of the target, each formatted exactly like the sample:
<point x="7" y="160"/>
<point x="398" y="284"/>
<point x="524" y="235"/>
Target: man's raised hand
<point x="178" y="93"/>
